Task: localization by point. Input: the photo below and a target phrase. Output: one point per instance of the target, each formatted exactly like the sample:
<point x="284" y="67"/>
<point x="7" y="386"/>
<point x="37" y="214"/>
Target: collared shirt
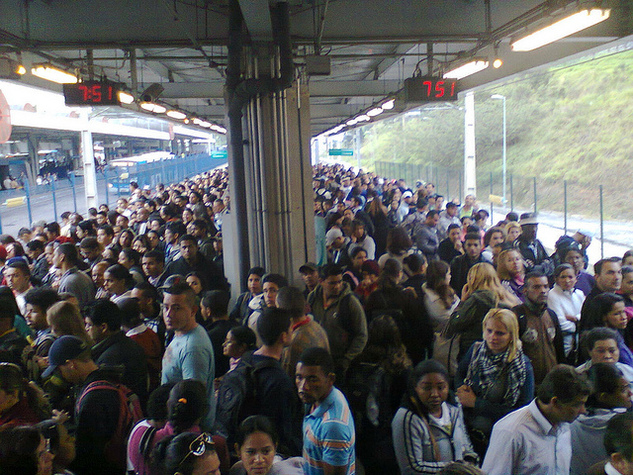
<point x="610" y="469"/>
<point x="328" y="436"/>
<point x="525" y="443"/>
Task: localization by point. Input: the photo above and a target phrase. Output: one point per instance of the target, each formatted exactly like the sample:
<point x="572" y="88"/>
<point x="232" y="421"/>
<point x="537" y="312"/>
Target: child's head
<point x="429" y="386"/>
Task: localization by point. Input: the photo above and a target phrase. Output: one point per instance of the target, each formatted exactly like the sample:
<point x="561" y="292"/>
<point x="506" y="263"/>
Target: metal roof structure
<point x="372" y="46"/>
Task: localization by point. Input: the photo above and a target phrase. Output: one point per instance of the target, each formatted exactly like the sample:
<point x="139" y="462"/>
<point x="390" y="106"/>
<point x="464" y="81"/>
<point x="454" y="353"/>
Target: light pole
<point x="503" y="98"/>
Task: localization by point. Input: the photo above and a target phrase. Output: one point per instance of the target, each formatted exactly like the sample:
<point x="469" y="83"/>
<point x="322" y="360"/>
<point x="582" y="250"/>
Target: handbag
<point x="445" y="350"/>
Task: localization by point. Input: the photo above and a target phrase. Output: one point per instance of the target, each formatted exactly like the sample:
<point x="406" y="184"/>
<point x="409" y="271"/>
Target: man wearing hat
<point x="532" y="250"/>
<point x="99" y="446"/>
<point x="310" y="275"/>
<point x="579" y="241"/>
<point x="404" y="208"/>
<point x="336" y="245"/>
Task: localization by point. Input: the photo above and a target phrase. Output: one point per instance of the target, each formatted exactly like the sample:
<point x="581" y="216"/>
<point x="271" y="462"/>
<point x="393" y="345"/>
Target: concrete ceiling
<point x="373" y="45"/>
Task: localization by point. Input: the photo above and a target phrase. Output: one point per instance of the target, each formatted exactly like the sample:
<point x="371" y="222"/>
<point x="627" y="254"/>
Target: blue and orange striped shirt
<point x="328" y="436"/>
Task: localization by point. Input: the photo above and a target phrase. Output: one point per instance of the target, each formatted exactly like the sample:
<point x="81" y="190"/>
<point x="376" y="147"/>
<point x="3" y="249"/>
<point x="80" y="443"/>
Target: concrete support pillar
<point x="90" y="174"/>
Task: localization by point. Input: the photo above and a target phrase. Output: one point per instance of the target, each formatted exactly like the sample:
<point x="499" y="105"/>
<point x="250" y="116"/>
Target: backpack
<point x="130" y="413"/>
<point x="237" y="395"/>
<point x="367" y="391"/>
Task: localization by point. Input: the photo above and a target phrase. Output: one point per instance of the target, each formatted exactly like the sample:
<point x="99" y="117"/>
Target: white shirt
<point x="525" y="443"/>
<point x="566" y="302"/>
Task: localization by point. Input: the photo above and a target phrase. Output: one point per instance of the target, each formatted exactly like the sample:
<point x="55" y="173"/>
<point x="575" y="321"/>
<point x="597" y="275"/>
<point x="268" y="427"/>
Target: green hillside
<point x="569" y="123"/>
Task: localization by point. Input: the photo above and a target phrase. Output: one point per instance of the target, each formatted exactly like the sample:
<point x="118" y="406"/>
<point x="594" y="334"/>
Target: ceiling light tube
<point x="153" y="107"/>
<point x="351" y="122"/>
<point x="51" y="73"/>
<point x="126" y="97"/>
<point x="174" y="114"/>
<point x="375" y="111"/>
<point x="387" y="106"/>
<point x="467" y="69"/>
<point x="363" y="118"/>
<point x="561" y="29"/>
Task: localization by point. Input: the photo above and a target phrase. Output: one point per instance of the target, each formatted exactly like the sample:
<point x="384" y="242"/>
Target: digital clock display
<point x="91" y="93"/>
<point x="430" y="89"/>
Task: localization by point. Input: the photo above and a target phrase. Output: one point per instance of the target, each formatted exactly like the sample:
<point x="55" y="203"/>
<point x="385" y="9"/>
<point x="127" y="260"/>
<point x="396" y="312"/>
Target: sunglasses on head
<point x="198" y="447"/>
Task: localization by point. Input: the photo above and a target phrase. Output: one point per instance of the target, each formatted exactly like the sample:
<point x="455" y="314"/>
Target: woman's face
<point x="8" y="399"/>
<point x="139" y="247"/>
<point x="513" y="234"/>
<point x="616" y="318"/>
<point x="125" y="240"/>
<point x="627" y="261"/>
<point x="124" y="260"/>
<point x="497" y="336"/>
<point x="566" y="279"/>
<point x="257" y="453"/>
<point x="621" y="397"/>
<point x="432" y="390"/>
<point x="575" y="259"/>
<point x="44" y="458"/>
<point x="187" y="216"/>
<point x="513" y="262"/>
<point x="195" y="284"/>
<point x="231" y="347"/>
<point x="207" y="464"/>
<point x="496" y="238"/>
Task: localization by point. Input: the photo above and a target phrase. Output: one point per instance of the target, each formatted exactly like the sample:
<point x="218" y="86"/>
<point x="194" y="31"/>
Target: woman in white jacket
<point x="567" y="302"/>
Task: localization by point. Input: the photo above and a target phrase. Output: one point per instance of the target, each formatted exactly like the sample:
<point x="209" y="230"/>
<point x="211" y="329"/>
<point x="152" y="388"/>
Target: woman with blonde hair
<point x="482" y="292"/>
<point x="511" y="270"/>
<point x="495" y="377"/>
<point x="64" y="318"/>
<point x="513" y="230"/>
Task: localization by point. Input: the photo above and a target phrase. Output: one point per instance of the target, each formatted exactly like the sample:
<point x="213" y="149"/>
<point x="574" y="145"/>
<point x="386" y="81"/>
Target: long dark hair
<point x="436" y="280"/>
<point x="412" y="401"/>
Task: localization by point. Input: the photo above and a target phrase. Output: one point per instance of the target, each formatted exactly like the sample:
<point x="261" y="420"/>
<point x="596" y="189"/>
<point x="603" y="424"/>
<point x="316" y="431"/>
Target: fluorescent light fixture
<point x="152" y="107"/>
<point x="351" y="122"/>
<point x="21" y="70"/>
<point x="497" y="63"/>
<point x="363" y="118"/>
<point x="375" y="111"/>
<point x="562" y="28"/>
<point x="387" y="106"/>
<point x="174" y="114"/>
<point x="51" y="73"/>
<point x="221" y="130"/>
<point x="467" y="69"/>
<point x="197" y="121"/>
<point x="205" y="124"/>
<point x="125" y="97"/>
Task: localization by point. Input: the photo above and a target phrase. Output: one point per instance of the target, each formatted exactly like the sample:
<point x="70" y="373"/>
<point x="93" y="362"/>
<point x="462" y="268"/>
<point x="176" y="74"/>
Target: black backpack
<point x="367" y="391"/>
<point x="237" y="395"/>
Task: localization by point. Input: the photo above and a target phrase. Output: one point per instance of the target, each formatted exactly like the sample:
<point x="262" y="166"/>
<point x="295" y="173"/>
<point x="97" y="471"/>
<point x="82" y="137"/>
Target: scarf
<point x="488" y="368"/>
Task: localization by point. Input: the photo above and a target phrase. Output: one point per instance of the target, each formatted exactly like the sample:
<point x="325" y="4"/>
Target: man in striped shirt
<point x="328" y="427"/>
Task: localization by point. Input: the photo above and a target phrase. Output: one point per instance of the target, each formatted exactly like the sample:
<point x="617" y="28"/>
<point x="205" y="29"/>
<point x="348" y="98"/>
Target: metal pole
<point x="504" y="151"/>
<point x="565" y="203"/>
<point x="53" y="179"/>
<point x="72" y="184"/>
<point x="491" y="203"/>
<point x="107" y="189"/>
<point x="448" y="192"/>
<point x="511" y="195"/>
<point x="27" y="190"/>
<point x="535" y="196"/>
<point x="601" y="224"/>
<point x="459" y="189"/>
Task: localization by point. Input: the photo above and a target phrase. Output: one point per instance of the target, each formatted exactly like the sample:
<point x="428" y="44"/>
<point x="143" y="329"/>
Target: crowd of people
<point x="426" y="340"/>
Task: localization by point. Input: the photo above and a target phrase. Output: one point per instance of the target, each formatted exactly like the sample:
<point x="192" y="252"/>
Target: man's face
<point x="270" y="293"/>
<point x="537" y="290"/>
<point x="310" y="278"/>
<point x="90" y="254"/>
<point x="17" y="280"/>
<point x="451" y="211"/>
<point x="528" y="231"/>
<point x="188" y="250"/>
<point x="170" y="238"/>
<point x="473" y="248"/>
<point x="178" y="314"/>
<point x="312" y="383"/>
<point x="332" y="286"/>
<point x="121" y="222"/>
<point x="144" y="303"/>
<point x="97" y="333"/>
<point x="103" y="238"/>
<point x="152" y="267"/>
<point x="57" y="258"/>
<point x="35" y="317"/>
<point x="454" y="235"/>
<point x="431" y="221"/>
<point x="569" y="411"/>
<point x="610" y="277"/>
<point x="254" y="284"/>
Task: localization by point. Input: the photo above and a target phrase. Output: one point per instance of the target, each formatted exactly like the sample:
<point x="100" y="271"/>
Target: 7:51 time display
<point x="91" y="93"/>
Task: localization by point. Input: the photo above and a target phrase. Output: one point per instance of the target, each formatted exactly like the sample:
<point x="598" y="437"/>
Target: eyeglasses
<point x="198" y="447"/>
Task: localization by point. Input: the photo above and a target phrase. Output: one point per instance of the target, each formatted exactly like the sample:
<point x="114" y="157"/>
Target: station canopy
<point x="352" y="54"/>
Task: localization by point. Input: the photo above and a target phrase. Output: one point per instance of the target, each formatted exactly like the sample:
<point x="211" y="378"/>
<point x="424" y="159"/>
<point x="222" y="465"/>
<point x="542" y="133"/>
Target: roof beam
<point x="256" y="14"/>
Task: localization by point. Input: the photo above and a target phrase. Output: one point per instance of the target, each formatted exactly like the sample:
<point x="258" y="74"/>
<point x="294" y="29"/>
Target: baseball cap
<point x="172" y="280"/>
<point x="65" y="348"/>
<point x="407" y="194"/>
<point x="332" y="235"/>
<point x="528" y="218"/>
<point x="308" y="267"/>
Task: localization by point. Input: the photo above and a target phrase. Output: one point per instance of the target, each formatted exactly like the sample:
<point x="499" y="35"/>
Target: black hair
<point x="176" y="227"/>
<point x="170" y="454"/>
<point x="217" y="301"/>
<point x="276" y="279"/>
<point x="132" y="255"/>
<point x="245" y="336"/>
<point x="292" y="299"/>
<point x="42" y="297"/>
<point x="188" y="237"/>
<point x="316" y="356"/>
<point x="18" y="448"/>
<point x="21" y="266"/>
<point x="472" y="237"/>
<point x="357" y="250"/>
<point x="8" y="306"/>
<point x="271" y="324"/>
<point x="102" y="311"/>
<point x="533" y="275"/>
<point x="415" y="261"/>
<point x="564" y="383"/>
<point x="35" y="245"/>
<point x="432" y="213"/>
<point x="154" y="254"/>
<point x="329" y="270"/>
<point x="451" y="227"/>
<point x="618" y="438"/>
<point x="253" y="424"/>
<point x="422" y="369"/>
<point x="157" y="402"/>
<point x="259" y="271"/>
<point x="69" y="251"/>
<point x="120" y="272"/>
<point x="589" y="338"/>
<point x="597" y="267"/>
<point x="130" y="312"/>
<point x="627" y="270"/>
<point x="601" y="305"/>
<point x="148" y="290"/>
<point x="561" y="268"/>
<point x="605" y="378"/>
<point x="106" y="228"/>
<point x="89" y="242"/>
<point x="188" y="403"/>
